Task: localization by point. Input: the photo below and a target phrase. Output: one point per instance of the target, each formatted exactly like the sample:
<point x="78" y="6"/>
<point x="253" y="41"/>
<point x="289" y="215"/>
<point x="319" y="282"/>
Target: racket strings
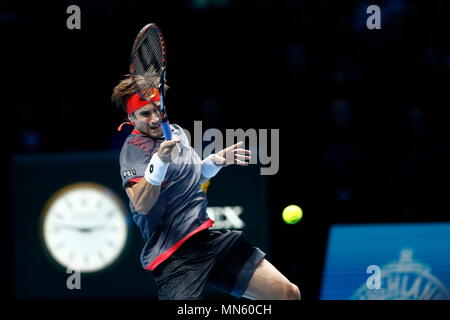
<point x="149" y="62"/>
<point x="150" y="53"/>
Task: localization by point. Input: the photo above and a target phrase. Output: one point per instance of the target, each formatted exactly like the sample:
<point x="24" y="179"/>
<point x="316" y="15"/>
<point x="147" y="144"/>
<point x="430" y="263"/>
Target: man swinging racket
<point x="162" y="178"/>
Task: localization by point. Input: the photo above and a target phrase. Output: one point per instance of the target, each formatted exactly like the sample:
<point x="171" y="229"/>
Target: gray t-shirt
<point x="180" y="210"/>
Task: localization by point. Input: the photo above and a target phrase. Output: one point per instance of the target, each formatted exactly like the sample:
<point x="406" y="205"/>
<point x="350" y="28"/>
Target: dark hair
<point x="125" y="89"/>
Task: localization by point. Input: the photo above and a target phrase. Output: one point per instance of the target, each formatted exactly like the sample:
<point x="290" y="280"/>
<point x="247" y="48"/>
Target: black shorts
<point x="222" y="259"/>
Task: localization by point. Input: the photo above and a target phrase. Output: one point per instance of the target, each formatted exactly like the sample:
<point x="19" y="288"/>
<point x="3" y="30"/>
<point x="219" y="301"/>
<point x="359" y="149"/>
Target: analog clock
<point x="84" y="227"/>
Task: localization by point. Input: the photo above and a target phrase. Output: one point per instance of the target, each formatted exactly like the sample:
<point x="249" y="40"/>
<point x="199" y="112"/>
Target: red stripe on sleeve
<point x="134" y="180"/>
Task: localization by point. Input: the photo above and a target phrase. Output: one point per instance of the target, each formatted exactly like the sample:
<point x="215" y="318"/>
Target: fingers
<point x="240" y="143"/>
<point x="242" y="154"/>
<point x="239" y="159"/>
<point x="242" y="151"/>
<point x="173" y="141"/>
<point x="169" y="144"/>
<point x="241" y="163"/>
<point x="234" y="146"/>
<point x="220" y="161"/>
<point x="234" y="150"/>
<point x="235" y="155"/>
<point x="242" y="157"/>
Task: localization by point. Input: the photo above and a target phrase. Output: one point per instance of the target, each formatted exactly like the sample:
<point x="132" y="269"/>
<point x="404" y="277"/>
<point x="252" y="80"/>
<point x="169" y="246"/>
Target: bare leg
<point x="267" y="283"/>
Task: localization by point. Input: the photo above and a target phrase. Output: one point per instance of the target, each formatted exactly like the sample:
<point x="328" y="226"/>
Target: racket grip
<point x="166" y="130"/>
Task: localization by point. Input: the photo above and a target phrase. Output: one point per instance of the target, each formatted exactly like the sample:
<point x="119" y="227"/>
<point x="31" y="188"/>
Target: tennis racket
<point x="148" y="69"/>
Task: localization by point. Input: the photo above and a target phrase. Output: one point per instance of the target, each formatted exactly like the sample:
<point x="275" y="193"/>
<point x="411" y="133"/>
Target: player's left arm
<point x="231" y="155"/>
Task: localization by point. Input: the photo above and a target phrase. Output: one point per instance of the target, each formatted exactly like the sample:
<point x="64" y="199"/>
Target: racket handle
<point x="166" y="130"/>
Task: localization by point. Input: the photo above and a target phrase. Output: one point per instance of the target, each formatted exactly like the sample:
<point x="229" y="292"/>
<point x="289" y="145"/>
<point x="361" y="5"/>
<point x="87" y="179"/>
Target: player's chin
<point x="155" y="132"/>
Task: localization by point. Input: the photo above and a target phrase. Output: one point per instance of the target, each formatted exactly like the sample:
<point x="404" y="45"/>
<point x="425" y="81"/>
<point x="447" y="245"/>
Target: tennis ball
<point x="292" y="214"/>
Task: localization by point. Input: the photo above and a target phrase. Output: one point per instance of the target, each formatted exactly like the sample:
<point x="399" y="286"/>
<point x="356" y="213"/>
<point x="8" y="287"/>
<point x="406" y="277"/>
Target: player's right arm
<point x="145" y="193"/>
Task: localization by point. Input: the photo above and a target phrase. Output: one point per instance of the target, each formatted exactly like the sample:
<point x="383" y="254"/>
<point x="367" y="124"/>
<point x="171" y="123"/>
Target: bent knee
<point x="293" y="292"/>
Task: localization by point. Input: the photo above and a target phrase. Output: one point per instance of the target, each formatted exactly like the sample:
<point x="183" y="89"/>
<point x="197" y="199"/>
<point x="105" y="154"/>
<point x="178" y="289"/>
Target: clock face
<point x="84" y="227"/>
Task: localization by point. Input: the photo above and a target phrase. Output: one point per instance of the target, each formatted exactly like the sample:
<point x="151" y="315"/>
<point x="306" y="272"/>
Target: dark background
<point x="362" y="113"/>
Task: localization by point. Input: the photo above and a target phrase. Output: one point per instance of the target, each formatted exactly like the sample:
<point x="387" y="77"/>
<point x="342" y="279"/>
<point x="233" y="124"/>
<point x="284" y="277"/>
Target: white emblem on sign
<point x="405" y="279"/>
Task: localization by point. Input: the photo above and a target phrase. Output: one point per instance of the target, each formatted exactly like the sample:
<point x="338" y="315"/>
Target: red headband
<point x="136" y="102"/>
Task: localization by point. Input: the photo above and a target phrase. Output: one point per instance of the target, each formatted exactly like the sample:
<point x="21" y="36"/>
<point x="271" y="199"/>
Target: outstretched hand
<point x="232" y="155"/>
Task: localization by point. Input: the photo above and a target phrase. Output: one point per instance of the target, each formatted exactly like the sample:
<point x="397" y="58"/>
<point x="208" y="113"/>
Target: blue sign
<point x="408" y="261"/>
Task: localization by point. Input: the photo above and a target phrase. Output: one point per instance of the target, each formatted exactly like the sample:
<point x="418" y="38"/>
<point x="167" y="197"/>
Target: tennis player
<point x="169" y="207"/>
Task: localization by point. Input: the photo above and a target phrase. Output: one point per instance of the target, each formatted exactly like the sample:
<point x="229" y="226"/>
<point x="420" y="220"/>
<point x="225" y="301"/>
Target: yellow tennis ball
<point x="292" y="214"/>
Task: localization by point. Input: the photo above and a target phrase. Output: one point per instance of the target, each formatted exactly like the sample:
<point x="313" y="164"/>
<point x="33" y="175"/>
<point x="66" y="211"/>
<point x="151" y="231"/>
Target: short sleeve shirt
<point x="180" y="210"/>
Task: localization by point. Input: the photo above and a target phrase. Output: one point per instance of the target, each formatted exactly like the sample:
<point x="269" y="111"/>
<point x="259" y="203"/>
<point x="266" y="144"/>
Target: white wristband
<point x="209" y="168"/>
<point x="156" y="170"/>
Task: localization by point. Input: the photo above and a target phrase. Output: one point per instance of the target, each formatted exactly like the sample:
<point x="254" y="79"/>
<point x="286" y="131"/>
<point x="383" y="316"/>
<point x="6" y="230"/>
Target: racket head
<point x="148" y="62"/>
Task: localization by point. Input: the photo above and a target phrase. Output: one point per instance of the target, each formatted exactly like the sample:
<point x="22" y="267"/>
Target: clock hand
<point x="67" y="226"/>
<point x="80" y="229"/>
<point x="93" y="228"/>
<point x="90" y="229"/>
<point x="112" y="228"/>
